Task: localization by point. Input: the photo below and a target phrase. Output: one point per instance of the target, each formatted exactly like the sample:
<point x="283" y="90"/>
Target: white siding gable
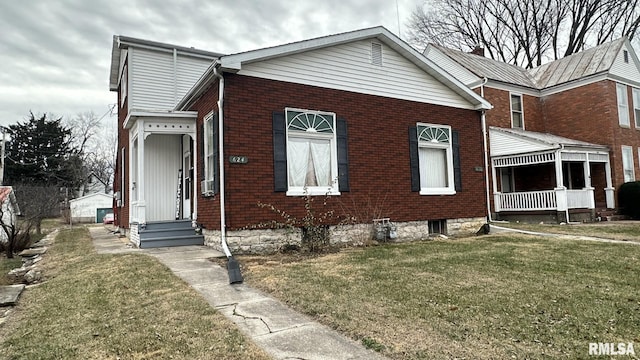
<point x="447" y="64"/>
<point x="625" y="70"/>
<point x="349" y="67"/>
<point x="158" y="80"/>
<point x="506" y="144"/>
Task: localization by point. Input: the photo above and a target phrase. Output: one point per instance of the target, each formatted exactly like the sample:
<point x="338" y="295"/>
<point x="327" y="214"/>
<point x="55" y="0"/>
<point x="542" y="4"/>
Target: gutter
<point x="233" y="268"/>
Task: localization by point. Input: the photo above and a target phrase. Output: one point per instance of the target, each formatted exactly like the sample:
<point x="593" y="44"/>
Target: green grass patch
<point x="619" y="230"/>
<point x="493" y="297"/>
<point x="126" y="306"/>
<point x="7" y="265"/>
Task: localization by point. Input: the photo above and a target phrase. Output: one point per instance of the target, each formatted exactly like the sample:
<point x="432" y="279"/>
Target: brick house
<point x="360" y="122"/>
<point x="563" y="135"/>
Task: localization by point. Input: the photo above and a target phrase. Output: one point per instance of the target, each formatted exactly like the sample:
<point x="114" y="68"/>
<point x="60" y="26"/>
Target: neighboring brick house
<point x="358" y="120"/>
<point x="563" y="135"/>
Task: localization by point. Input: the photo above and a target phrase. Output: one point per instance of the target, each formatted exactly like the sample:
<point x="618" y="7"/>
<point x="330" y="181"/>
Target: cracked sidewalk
<point x="280" y="331"/>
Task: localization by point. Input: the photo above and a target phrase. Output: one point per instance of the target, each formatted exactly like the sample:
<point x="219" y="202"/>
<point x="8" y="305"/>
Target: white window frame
<point x="310" y="134"/>
<point x="636" y="106"/>
<point x="434" y="144"/>
<point x="627" y="160"/>
<point x="512" y="111"/>
<point x="623" y="105"/>
<point x="124" y="85"/>
<point x="209" y="172"/>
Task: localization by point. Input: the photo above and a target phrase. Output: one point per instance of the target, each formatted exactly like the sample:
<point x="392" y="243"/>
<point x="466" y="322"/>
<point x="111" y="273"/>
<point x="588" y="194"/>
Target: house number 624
<point x="234" y="159"/>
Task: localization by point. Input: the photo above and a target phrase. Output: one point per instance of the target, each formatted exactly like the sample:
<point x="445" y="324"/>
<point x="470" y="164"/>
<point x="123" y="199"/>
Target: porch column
<point x="609" y="190"/>
<point x="142" y="218"/>
<point x="496" y="195"/>
<point x="194" y="181"/>
<point x="587" y="183"/>
<point x="560" y="190"/>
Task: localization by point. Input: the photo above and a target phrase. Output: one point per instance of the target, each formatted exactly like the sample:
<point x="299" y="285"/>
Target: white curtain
<point x="321" y="157"/>
<point x="433" y="168"/>
<point x="298" y="159"/>
<point x="309" y="162"/>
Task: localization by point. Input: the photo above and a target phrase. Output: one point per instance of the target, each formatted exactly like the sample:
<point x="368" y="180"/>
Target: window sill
<point x="445" y="191"/>
<point x="313" y="192"/>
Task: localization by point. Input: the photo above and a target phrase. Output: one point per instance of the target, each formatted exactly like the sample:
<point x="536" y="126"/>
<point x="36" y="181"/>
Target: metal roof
<point x="547" y="138"/>
<point x="489" y="68"/>
<point x="576" y="66"/>
<point x="589" y="62"/>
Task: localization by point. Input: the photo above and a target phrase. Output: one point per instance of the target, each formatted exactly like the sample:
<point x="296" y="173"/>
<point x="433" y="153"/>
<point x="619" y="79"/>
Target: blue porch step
<point x="169" y="233"/>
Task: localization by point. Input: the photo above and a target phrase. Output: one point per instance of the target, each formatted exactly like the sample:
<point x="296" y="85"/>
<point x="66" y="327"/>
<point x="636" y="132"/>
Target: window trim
<point x="624" y="113"/>
<point x="635" y="94"/>
<point x="448" y="147"/>
<point x="521" y="111"/>
<point x="333" y="189"/>
<point x="629" y="151"/>
<point x="209" y="174"/>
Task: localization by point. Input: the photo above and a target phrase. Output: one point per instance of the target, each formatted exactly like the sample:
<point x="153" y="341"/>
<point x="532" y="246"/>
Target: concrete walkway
<point x="495" y="229"/>
<point x="280" y="331"/>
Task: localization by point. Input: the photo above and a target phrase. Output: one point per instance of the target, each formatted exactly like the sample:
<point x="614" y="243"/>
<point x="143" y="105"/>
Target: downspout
<point x="483" y="118"/>
<point x="233" y="267"/>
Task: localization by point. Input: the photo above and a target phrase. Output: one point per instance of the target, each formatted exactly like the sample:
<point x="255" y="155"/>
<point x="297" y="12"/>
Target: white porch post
<point x="194" y="181"/>
<point x="587" y="183"/>
<point x="142" y="219"/>
<point x="561" y="190"/>
<point x="609" y="190"/>
<point x="496" y="196"/>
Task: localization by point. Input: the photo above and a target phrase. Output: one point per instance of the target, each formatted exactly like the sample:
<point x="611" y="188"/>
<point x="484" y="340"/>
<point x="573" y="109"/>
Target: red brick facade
<point x="378" y="142"/>
<point x="122" y="213"/>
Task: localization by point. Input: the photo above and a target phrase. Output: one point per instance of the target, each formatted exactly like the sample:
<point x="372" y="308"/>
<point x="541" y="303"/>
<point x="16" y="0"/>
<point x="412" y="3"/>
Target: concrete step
<point x="170" y="224"/>
<point x="171" y="241"/>
<point x="169" y="232"/>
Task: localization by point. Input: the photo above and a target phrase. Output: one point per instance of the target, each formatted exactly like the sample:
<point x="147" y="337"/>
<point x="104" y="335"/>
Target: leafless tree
<point x="523" y="32"/>
<point x="38" y="203"/>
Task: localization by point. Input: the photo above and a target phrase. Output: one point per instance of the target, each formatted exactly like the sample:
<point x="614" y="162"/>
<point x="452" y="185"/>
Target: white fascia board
<point x="115" y="64"/>
<point x="575" y="83"/>
<point x="623" y="80"/>
<point x="135" y="114"/>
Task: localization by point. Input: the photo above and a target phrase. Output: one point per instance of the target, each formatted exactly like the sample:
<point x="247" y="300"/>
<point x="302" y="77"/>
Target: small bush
<point x="629" y="199"/>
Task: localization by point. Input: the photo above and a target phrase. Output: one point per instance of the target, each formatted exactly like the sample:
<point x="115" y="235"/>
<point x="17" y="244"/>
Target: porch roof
<point x="506" y="142"/>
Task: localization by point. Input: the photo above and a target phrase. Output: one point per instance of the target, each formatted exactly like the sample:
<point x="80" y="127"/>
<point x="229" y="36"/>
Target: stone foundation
<point x="269" y="241"/>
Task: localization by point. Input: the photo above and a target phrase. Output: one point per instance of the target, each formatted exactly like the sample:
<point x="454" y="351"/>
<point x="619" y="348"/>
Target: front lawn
<point x="493" y="297"/>
<point x="126" y="306"/>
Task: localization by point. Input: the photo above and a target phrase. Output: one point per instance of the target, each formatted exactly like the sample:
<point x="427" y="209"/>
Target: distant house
<point x="563" y="136"/>
<point x="9" y="209"/>
<point x="356" y="119"/>
<point x="91" y="208"/>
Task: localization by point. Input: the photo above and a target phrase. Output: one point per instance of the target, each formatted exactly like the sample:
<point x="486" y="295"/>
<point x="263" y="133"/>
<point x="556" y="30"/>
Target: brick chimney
<point x="478" y="50"/>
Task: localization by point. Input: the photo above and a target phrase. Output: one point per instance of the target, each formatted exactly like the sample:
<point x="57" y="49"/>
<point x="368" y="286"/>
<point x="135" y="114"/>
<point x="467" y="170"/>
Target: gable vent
<point x="376" y="54"/>
<point x="625" y="54"/>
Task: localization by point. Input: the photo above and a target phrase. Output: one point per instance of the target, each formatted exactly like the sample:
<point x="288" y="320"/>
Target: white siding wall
<point x="156" y="82"/>
<point x="348" y="67"/>
<point x="452" y="67"/>
<point x="625" y="70"/>
<point x="87" y="206"/>
<point x="504" y="144"/>
<point x="161" y="163"/>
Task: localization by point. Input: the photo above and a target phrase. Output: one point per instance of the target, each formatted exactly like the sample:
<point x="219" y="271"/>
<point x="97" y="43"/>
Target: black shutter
<point x="457" y="171"/>
<point x="413" y="158"/>
<point x="216" y="154"/>
<point x="343" y="156"/>
<point x="279" y="152"/>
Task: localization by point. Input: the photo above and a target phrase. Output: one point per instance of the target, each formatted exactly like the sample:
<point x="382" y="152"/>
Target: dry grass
<point x="7" y="265"/>
<point x="493" y="297"/>
<point x="616" y="230"/>
<point x="115" y="307"/>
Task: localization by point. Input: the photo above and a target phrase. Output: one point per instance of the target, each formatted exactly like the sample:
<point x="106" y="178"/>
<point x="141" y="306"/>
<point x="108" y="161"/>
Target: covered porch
<point x="537" y="173"/>
<point x="163" y="151"/>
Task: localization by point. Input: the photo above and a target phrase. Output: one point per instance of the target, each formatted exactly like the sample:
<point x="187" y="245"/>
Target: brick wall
<point x="378" y="154"/>
<point x="122" y="213"/>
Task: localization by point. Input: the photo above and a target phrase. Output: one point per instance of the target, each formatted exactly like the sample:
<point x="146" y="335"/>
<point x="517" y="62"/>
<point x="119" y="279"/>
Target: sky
<point x="55" y="55"/>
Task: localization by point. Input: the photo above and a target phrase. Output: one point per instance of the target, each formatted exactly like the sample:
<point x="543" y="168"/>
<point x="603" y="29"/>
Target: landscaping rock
<point x="33" y="252"/>
<point x="32" y="276"/>
<point x="9" y="294"/>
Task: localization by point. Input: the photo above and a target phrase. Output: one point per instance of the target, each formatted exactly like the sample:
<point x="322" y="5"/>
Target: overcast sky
<point x="55" y="55"/>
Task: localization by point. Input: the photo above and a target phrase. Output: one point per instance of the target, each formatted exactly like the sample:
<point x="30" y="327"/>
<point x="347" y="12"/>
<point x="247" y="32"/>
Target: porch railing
<point x="558" y="199"/>
<point x="526" y="201"/>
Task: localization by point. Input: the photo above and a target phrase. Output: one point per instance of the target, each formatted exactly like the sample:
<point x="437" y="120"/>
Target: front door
<point x="186" y="185"/>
